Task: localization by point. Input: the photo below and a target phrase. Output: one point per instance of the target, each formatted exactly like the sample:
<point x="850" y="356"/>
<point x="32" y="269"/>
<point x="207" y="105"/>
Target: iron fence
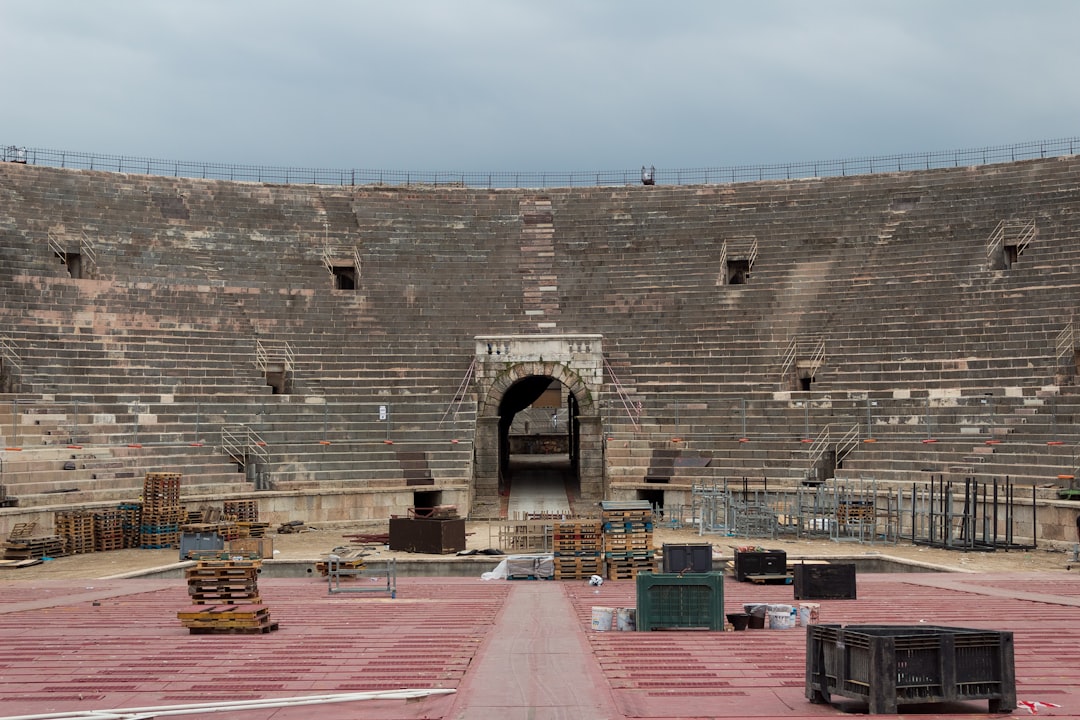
<point x="505" y="179"/>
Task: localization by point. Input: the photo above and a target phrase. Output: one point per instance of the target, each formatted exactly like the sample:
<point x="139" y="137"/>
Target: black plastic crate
<point x="691" y="557"/>
<point x="825" y="582"/>
<point x="891" y="665"/>
<point x="765" y="562"/>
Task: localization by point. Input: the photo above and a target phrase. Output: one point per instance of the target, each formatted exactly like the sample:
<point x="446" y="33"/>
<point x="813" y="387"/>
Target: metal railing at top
<point x="510" y="179"/>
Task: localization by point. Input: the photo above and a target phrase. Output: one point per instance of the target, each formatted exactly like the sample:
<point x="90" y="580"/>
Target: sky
<point x="523" y="85"/>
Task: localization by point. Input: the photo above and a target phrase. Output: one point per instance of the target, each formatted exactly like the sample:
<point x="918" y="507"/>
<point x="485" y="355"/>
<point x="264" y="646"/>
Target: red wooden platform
<point x="510" y="649"/>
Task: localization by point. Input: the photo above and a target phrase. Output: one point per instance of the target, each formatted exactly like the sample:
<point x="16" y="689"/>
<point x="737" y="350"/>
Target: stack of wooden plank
<point x="225" y="596"/>
<point x="628" y="539"/>
<point x="578" y="548"/>
<point x="161" y="510"/>
<point x="76" y="527"/>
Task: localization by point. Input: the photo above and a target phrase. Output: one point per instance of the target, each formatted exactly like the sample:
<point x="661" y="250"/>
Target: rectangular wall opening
<point x="344" y="277"/>
<point x="426" y="499"/>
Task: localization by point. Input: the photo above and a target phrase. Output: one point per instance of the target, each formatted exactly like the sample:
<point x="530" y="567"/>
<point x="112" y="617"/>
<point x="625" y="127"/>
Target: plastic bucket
<point x="781" y="617"/>
<point x="602" y="618"/>
<point x="739" y="621"/>
<point x="626" y="619"/>
<point x="809" y="613"/>
<point x="757" y="613"/>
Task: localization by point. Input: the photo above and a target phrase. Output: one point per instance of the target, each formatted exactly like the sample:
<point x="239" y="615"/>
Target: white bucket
<point x="626" y="619"/>
<point x="808" y="613"/>
<point x="781" y="617"/>
<point x="602" y="618"/>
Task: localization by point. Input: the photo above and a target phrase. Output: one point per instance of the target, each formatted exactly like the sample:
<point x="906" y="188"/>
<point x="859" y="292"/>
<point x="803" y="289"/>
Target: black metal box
<point x="825" y="582"/>
<point x="766" y="562"/>
<point x="691" y="557"/>
<point x="427" y="535"/>
<point x="891" y="665"/>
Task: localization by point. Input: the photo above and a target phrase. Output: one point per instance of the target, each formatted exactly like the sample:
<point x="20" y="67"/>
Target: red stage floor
<point x="510" y="649"/>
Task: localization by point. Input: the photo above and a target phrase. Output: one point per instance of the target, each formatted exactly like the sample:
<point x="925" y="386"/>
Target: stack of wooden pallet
<point x="579" y="549"/>
<point x="252" y="529"/>
<point x="226" y="594"/>
<point x="33" y="548"/>
<point x="227" y="620"/>
<point x="76" y="527"/>
<point x="241" y="510"/>
<point x="628" y="539"/>
<point x="20" y="549"/>
<point x="223" y="582"/>
<point x="109" y="530"/>
<point x="161" y="510"/>
<point x="131" y="524"/>
<point x="348" y="559"/>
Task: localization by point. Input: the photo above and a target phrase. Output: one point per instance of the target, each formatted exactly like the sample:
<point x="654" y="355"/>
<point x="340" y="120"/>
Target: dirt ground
<point x="316" y="542"/>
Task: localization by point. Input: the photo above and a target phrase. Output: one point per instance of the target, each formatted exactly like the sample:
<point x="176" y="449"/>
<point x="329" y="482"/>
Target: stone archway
<point x="576" y="362"/>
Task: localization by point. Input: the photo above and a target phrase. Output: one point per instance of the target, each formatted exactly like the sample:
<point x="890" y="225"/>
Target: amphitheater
<point x="351" y="352"/>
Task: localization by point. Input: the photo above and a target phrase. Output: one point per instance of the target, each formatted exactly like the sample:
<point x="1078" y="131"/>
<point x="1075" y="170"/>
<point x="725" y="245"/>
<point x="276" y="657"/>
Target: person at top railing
<point x="648" y="175"/>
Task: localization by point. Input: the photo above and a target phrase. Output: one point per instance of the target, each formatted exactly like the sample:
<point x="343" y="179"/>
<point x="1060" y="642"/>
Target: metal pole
<point x="231" y="705"/>
<point x="928" y="433"/>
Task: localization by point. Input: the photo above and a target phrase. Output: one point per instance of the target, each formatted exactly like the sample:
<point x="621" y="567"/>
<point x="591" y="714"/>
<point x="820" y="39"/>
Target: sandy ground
<point x="316" y="542"/>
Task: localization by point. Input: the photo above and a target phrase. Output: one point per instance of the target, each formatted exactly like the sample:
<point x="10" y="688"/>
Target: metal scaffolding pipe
<point x="233" y="705"/>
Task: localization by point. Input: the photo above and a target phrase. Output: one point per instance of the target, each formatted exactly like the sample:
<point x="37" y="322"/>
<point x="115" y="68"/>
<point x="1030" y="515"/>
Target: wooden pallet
<point x="22" y="530"/>
<point x="241" y="510"/>
<point x="578" y="568"/>
<point x="36" y="547"/>
<point x="628" y="569"/>
<point x="250" y="618"/>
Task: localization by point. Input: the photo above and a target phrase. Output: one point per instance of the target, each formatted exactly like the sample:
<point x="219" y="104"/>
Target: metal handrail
<point x="9" y="352"/>
<point x="633" y="410"/>
<point x="1021" y="232"/>
<point x="269" y="351"/>
<point x="1066" y="342"/>
<point x="459" y="396"/>
<point x="798" y="348"/>
<point x="480" y="179"/>
<point x="818" y="447"/>
<point x="86" y="247"/>
<point x="848" y="443"/>
<point x="59" y="250"/>
<point x="241" y="442"/>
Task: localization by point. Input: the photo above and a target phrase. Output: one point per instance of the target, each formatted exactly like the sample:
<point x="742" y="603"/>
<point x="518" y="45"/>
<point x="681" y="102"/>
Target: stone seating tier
<point x="890" y="270"/>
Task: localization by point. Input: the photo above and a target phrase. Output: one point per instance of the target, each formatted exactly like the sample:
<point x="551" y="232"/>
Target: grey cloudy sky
<point x="561" y="85"/>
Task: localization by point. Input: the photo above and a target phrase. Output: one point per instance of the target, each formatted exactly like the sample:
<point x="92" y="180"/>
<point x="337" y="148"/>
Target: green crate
<point x="667" y="601"/>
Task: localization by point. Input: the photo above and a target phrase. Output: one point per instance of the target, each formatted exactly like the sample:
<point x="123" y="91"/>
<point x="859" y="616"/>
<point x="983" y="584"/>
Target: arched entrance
<point x="538" y="448"/>
<point x="538" y="426"/>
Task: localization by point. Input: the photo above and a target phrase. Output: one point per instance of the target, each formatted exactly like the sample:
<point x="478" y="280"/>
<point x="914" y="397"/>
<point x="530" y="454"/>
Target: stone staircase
<point x="156" y="346"/>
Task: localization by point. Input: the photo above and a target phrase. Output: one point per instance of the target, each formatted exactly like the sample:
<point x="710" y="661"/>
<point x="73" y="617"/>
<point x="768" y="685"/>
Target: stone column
<point x="591" y="468"/>
<point x="485" y="491"/>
